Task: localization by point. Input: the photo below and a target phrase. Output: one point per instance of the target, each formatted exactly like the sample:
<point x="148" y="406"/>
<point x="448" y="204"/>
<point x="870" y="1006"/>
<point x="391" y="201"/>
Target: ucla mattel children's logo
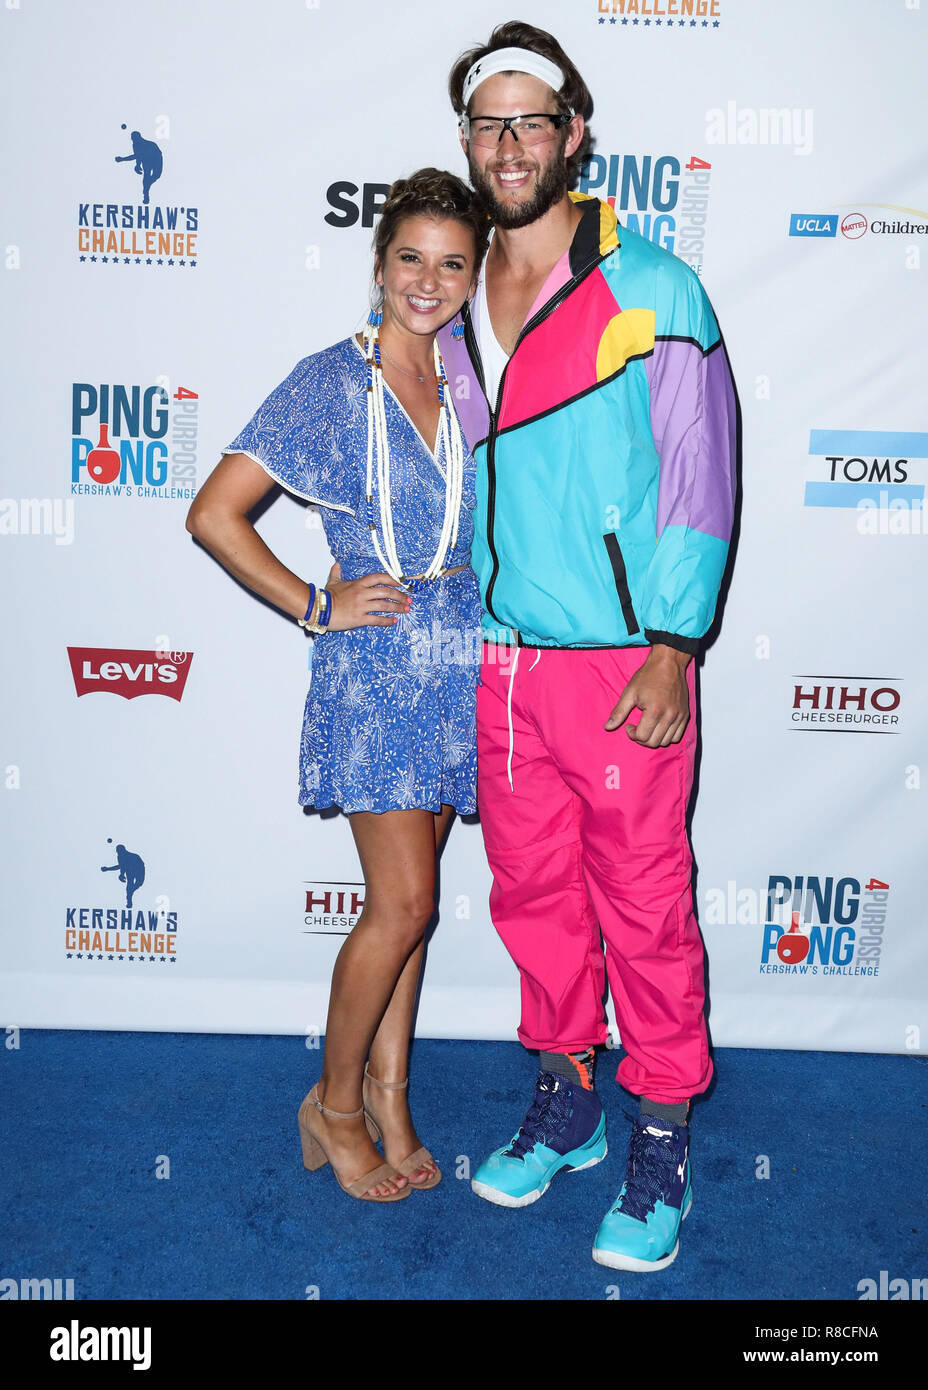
<point x="138" y="232"/>
<point x="133" y="441"/>
<point x="129" y="933"/>
<point x="823" y="926"/>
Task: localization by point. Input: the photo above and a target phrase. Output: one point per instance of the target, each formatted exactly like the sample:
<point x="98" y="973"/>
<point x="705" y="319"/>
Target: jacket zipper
<point x="543" y="313"/>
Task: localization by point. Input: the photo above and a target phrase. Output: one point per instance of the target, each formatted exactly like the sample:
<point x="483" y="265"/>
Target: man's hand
<point x="659" y="690"/>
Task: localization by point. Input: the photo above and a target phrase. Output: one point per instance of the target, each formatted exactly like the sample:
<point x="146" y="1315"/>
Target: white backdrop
<point x="805" y="216"/>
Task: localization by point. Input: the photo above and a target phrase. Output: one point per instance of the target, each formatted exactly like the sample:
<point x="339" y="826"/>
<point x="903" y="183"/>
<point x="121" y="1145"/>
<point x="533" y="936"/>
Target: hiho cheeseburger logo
<point x="846" y="704"/>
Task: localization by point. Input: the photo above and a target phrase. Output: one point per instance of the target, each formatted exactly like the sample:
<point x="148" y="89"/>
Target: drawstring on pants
<point x="512" y="676"/>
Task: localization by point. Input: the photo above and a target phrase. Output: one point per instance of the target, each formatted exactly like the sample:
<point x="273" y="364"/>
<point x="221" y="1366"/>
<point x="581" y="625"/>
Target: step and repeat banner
<point x="190" y="197"/>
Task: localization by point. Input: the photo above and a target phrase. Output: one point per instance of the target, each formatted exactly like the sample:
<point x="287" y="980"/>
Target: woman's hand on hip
<point x="374" y="600"/>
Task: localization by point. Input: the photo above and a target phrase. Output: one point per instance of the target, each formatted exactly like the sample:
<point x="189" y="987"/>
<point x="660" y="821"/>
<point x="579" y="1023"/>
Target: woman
<point x="389" y="725"/>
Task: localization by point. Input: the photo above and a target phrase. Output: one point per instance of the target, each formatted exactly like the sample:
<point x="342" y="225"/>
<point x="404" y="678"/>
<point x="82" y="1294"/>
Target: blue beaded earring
<point x="458" y="329"/>
<point x="375" y="318"/>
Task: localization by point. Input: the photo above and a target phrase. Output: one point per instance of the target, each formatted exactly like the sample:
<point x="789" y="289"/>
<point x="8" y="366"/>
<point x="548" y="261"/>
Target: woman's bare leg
<point x="389" y="1053"/>
<point x="397" y="853"/>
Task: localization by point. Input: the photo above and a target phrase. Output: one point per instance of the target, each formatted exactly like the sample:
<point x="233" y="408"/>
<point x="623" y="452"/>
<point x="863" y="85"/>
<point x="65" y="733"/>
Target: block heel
<point x="313" y="1152"/>
<point x="315" y="1156"/>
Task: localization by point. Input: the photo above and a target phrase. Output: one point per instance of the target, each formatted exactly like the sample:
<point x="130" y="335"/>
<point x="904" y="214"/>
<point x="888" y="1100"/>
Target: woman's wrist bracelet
<point x="318" y="612"/>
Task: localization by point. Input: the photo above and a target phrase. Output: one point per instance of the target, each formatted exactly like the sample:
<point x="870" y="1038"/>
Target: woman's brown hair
<point x="430" y="193"/>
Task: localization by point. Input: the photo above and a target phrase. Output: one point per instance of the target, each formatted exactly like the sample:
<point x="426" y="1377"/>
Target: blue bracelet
<point x="326" y="613"/>
<point x="312" y="600"/>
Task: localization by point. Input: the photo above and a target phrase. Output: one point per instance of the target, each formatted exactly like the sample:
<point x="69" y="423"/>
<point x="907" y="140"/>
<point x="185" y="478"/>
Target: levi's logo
<point x="129" y="672"/>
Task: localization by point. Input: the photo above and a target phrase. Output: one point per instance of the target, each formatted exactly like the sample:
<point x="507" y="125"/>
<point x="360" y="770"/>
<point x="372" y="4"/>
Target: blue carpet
<point x="87" y="1114"/>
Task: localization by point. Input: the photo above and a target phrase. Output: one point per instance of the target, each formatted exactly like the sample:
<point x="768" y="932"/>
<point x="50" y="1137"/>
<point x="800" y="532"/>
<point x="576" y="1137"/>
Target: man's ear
<point x="577" y="127"/>
<point x="463" y="141"/>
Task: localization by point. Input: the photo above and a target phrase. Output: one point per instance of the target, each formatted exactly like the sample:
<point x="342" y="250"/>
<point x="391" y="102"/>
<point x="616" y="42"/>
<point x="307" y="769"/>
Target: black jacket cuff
<point x="672" y="639"/>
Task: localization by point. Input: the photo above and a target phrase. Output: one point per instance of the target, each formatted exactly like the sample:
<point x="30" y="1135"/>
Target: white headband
<point x="511" y="60"/>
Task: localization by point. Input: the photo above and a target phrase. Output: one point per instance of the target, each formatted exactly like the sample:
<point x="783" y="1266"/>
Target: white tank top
<point x="493" y="355"/>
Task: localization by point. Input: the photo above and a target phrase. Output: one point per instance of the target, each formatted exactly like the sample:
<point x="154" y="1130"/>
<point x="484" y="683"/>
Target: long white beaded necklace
<point x="377" y="442"/>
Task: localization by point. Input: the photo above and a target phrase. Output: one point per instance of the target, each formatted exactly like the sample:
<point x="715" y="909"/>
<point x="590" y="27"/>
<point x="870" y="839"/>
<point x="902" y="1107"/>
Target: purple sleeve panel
<point x="694" y="425"/>
<point x="466" y="392"/>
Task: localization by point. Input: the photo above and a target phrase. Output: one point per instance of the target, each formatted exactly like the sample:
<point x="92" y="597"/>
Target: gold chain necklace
<point x="414" y="375"/>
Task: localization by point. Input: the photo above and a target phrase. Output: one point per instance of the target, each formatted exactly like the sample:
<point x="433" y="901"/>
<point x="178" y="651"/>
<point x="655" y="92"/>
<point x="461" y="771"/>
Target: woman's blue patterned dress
<point x="390" y="717"/>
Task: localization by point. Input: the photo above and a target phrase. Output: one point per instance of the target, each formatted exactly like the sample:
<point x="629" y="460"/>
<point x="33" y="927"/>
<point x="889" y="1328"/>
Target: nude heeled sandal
<point x="421" y="1158"/>
<point x="315" y="1156"/>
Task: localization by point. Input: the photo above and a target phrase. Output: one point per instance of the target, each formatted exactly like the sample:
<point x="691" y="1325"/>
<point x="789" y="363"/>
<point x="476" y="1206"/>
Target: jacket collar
<point x="597" y="232"/>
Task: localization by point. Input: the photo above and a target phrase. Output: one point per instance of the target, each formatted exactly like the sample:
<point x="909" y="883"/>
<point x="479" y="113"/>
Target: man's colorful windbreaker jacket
<point x="606" y="468"/>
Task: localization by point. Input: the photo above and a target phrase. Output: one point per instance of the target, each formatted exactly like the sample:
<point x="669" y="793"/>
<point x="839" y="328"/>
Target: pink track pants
<point x="585" y="832"/>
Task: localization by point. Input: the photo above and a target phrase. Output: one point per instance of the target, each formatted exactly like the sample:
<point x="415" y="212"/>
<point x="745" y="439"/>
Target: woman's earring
<point x="375" y="318"/>
<point x="458" y="329"/>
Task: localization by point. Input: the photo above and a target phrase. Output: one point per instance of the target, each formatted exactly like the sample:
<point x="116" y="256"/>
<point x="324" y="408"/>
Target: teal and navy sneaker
<point x="565" y="1128"/>
<point x="640" y="1231"/>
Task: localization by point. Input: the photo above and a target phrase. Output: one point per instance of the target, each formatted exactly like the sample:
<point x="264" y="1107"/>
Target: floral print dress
<point x="390" y="717"/>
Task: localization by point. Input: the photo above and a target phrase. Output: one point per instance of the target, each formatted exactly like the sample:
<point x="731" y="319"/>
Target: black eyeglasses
<point x="531" y="129"/>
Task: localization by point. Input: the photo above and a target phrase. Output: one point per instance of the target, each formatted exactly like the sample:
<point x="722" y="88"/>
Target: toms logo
<point x="866" y="467"/>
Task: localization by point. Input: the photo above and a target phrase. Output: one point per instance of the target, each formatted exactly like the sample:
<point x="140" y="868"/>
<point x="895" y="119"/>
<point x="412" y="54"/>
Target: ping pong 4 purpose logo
<point x="133" y="441"/>
<point x="663" y="197"/>
<point x="823" y="926"/>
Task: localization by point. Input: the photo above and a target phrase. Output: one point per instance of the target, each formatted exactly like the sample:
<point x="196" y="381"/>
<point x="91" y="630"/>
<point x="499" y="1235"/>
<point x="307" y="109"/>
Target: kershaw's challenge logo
<point x="660" y="14"/>
<point x="128" y="934"/>
<point x="137" y="233"/>
<point x="129" y="672"/>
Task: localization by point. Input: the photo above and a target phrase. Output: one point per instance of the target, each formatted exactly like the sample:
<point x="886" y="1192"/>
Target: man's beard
<point x="550" y="188"/>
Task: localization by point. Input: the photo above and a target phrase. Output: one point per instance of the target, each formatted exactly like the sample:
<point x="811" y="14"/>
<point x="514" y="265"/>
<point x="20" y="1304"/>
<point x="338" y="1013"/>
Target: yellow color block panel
<point x="629" y="334"/>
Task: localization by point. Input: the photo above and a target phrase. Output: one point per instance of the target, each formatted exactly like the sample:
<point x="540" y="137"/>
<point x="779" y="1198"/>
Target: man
<point x="602" y="413"/>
